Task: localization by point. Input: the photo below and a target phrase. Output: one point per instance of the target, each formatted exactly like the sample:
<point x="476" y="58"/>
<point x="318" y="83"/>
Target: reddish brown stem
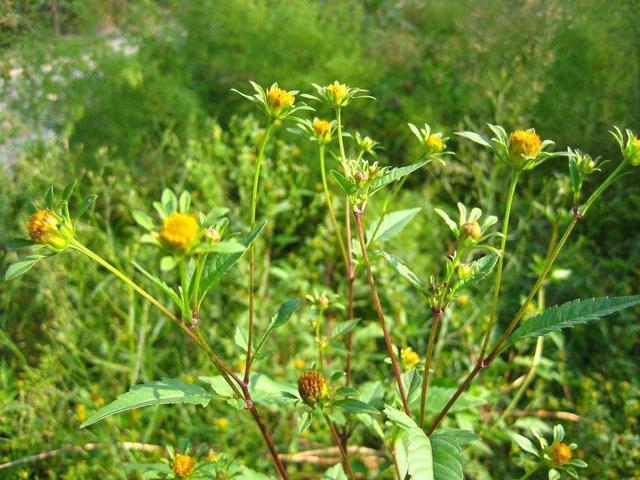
<point x="437" y="314"/>
<point x="383" y="324"/>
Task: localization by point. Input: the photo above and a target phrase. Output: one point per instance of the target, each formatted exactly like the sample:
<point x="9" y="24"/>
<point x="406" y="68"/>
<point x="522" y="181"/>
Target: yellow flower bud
<point x="560" y="453"/>
<point x="338" y="92"/>
<point x="81" y="412"/>
<point x="312" y="387"/>
<point x="298" y="363"/>
<point x="321" y="130"/>
<point x="523" y="143"/>
<point x="463" y="299"/>
<point x="472" y="230"/>
<point x="278" y="99"/>
<point x="183" y="465"/>
<point x="434" y="144"/>
<point x="179" y="231"/>
<point x="48" y="228"/>
<point x="223" y="423"/>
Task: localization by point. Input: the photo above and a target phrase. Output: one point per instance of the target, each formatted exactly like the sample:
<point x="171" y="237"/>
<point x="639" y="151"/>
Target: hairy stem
<point x="383" y="324"/>
<point x="498" y="281"/>
<point x="252" y="258"/>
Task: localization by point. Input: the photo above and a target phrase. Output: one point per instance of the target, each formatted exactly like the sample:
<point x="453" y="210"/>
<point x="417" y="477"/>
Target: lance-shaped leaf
<point x="282" y="316"/>
<point x="391" y="224"/>
<point x="478" y="270"/>
<point x="395" y="174"/>
<point x="222" y="263"/>
<point x="571" y="314"/>
<point x="22" y="266"/>
<point x="346" y="185"/>
<point x="167" y="391"/>
<point x="405" y="271"/>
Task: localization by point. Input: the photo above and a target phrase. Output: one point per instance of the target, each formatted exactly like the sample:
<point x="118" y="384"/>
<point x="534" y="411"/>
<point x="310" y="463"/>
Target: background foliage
<point x="133" y="97"/>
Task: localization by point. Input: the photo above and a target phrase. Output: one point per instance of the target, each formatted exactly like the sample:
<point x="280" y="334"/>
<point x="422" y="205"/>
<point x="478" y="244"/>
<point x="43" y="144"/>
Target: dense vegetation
<point x="133" y="98"/>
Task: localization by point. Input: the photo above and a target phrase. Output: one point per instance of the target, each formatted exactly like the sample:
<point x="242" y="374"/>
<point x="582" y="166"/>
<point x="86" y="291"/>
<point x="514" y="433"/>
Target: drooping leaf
<point x="571" y="314"/>
<point x="405" y="271"/>
<point x="223" y="262"/>
<point x="167" y="391"/>
<point x="474" y="137"/>
<point x="395" y="174"/>
<point x="22" y="266"/>
<point x="391" y="224"/>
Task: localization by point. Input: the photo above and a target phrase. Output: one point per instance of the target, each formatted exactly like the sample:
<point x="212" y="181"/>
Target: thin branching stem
<point x="332" y="213"/>
<point x="383" y="324"/>
<point x="344" y="456"/>
<point x="498" y="280"/>
<point x="252" y="253"/>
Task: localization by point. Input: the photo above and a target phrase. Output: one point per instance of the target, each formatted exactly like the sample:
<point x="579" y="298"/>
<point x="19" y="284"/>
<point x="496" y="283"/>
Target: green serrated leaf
<point x="166" y="391"/>
<point x="395" y="174"/>
<point x="405" y="271"/>
<point x="344" y="327"/>
<point x="478" y="270"/>
<point x="571" y="314"/>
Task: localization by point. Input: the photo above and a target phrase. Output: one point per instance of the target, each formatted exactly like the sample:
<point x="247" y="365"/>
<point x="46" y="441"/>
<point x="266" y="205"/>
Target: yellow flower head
<point x="278" y="99"/>
<point x="560" y="453"/>
<point x="322" y="129"/>
<point x="338" y="93"/>
<point x="312" y="387"/>
<point x="43" y="229"/>
<point x="409" y="357"/>
<point x="183" y="465"/>
<point x="525" y="143"/>
<point x="434" y="144"/>
<point x="81" y="412"/>
<point x="179" y="231"/>
<point x="298" y="363"/>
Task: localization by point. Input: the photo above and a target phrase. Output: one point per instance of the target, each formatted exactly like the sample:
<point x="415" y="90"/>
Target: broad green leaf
<point x="403" y="270"/>
<point x="447" y="457"/>
<point x="348" y="187"/>
<point x="395" y="174"/>
<point x="525" y="444"/>
<point x="167" y="391"/>
<point x="22" y="266"/>
<point x="417" y="445"/>
<point x="334" y="473"/>
<point x="474" y="137"/>
<point x="223" y="262"/>
<point x="571" y="314"/>
<point x="344" y="327"/>
<point x="478" y="270"/>
<point x="391" y="224"/>
<point x="169" y="201"/>
<point x="142" y="219"/>
<point x="351" y="405"/>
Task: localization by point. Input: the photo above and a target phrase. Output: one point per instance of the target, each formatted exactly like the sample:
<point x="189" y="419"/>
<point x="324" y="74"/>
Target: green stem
<point x="332" y="213"/>
<point x="383" y="324"/>
<point x="530" y="472"/>
<point x="498" y="281"/>
<point x="343" y="451"/>
<point x="343" y="156"/>
<point x="252" y="259"/>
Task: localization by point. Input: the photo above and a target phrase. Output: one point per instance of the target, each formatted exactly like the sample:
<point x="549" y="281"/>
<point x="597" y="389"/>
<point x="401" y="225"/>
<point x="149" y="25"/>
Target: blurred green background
<point x="133" y="97"/>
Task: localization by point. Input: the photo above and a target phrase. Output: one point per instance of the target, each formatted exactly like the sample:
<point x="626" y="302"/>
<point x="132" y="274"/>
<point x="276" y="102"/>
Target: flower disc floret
<point x="279" y="99"/>
<point x="312" y="387"/>
<point x="183" y="465"/>
<point x="434" y="144"/>
<point x="46" y="227"/>
<point x="179" y="231"/>
<point x="524" y="143"/>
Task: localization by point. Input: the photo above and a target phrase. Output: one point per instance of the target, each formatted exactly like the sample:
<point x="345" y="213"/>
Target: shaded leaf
<point x="391" y="224"/>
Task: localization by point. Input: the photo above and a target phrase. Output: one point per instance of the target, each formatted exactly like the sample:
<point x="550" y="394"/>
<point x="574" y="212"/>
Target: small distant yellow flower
<point x="463" y="299"/>
<point x="634" y="157"/>
<point x="212" y="457"/>
<point x="434" y="144"/>
<point x="183" y="465"/>
<point x="222" y="423"/>
<point x="338" y="93"/>
<point x="524" y="143"/>
<point x="298" y="363"/>
<point x="24" y="474"/>
<point x="322" y="130"/>
<point x="81" y="412"/>
<point x="189" y="379"/>
<point x="560" y="453"/>
<point x="409" y="357"/>
<point x="179" y="231"/>
<point x="278" y="99"/>
<point x="43" y="229"/>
